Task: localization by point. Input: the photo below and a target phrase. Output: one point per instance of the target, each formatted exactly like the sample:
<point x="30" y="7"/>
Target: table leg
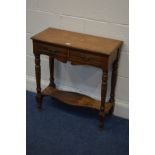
<point x="38" y="78"/>
<point x="113" y="84"/>
<point x="103" y="98"/>
<point x="51" y="67"/>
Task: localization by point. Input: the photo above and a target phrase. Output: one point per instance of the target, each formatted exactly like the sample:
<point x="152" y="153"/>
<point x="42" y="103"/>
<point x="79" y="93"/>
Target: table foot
<point x="101" y="120"/>
<point x="111" y="111"/>
<point x="39" y="101"/>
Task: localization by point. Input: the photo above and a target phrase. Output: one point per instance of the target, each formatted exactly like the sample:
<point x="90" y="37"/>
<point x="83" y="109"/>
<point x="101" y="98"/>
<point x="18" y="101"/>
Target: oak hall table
<point x="79" y="49"/>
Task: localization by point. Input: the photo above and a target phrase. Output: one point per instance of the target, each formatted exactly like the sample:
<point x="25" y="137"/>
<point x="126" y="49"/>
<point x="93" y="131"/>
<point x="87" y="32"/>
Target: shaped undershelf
<point x="75" y="99"/>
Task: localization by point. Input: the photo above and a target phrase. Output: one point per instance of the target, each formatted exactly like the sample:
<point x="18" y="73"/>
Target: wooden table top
<point x="78" y="40"/>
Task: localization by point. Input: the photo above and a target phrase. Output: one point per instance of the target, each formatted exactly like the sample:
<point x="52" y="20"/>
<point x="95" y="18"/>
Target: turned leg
<point x="51" y="67"/>
<point x="38" y="78"/>
<point x="103" y="99"/>
<point x="113" y="83"/>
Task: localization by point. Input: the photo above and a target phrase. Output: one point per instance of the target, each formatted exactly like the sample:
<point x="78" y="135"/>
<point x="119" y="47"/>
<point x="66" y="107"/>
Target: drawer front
<point x="87" y="58"/>
<point x="52" y="50"/>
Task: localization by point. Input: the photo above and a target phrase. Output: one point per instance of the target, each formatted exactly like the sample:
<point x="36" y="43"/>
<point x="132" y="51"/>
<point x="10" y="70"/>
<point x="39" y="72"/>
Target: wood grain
<point x="75" y="99"/>
<point x="78" y="41"/>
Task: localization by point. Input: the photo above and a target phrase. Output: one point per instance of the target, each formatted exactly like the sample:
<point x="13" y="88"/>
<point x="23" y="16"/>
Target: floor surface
<point x="60" y="129"/>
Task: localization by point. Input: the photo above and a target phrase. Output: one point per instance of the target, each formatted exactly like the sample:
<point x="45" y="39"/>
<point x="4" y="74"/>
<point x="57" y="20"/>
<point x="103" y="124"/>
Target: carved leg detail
<point x="38" y="78"/>
<point x="51" y="67"/>
<point x="113" y="84"/>
<point x="103" y="98"/>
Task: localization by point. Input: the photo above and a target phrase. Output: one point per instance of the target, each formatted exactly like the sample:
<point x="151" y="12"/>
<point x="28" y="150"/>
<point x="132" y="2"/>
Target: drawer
<point x="52" y="50"/>
<point x="87" y="58"/>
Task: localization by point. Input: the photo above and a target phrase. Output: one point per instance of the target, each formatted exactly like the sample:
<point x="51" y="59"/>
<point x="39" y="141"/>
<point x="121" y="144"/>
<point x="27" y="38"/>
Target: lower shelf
<point x="75" y="99"/>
